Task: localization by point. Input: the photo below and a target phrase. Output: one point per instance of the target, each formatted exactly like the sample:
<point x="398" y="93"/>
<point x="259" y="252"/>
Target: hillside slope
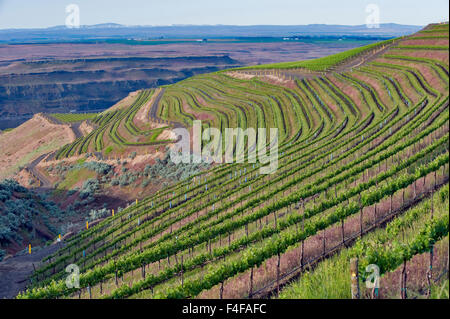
<point x="30" y="140"/>
<point x="363" y="139"/>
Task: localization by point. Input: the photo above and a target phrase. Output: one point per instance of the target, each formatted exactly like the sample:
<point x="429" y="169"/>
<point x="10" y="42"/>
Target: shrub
<point x="97" y="214"/>
<point x="98" y="167"/>
<point x="89" y="188"/>
<point x="2" y="254"/>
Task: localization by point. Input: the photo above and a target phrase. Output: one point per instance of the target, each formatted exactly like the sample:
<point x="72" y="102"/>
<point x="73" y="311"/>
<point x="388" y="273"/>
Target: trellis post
<point x="354" y="278"/>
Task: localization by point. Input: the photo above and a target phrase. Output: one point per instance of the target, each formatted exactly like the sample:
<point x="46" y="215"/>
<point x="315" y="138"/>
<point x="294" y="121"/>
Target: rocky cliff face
<point x="91" y="84"/>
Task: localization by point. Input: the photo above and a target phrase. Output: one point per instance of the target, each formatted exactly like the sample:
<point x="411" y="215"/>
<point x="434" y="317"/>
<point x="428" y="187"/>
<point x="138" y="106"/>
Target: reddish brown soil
<point x="349" y="90"/>
<point x="403" y="81"/>
<point x="429" y="54"/>
<point x="417" y="271"/>
<point x="32" y="139"/>
<point x="238" y="286"/>
<point x="379" y="88"/>
<point x="428" y="74"/>
<point x="199" y="116"/>
<point x="433" y="34"/>
<point x="426" y="42"/>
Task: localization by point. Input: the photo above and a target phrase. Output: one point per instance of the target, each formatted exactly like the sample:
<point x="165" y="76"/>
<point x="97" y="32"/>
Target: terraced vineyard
<point x="73" y="117"/>
<point x="117" y="129"/>
<point x="361" y="144"/>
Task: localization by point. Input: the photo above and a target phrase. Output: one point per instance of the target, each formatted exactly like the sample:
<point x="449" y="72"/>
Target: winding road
<point x="153" y="113"/>
<point x="32" y="167"/>
<point x="44" y="182"/>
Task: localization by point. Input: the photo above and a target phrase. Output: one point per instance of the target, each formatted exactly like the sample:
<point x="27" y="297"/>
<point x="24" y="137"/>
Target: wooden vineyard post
<point x="275" y="220"/>
<point x="354" y="278"/>
<point x="116" y="276"/>
<point x="250" y="292"/>
<point x="443" y="171"/>
<point x="182" y="275"/>
<point x="343" y="231"/>
<point x="403" y="282"/>
<point x="324" y="243"/>
<point x="278" y="275"/>
<point x="361" y="221"/>
<point x="302" y="254"/>
<point x="432" y="203"/>
<point x="143" y="270"/>
<point x="430" y="272"/>
<point x="390" y="206"/>
<point x="90" y="291"/>
<point x="375" y="213"/>
<point x="435" y="179"/>
<point x="403" y="197"/>
<point x="430" y="269"/>
<point x="221" y="291"/>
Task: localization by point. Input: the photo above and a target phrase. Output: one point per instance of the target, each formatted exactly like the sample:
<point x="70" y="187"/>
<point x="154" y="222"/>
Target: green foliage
<point x="97" y="214"/>
<point x="329" y="140"/>
<point x="73" y="117"/>
<point x="90" y="187"/>
<point x="325" y="63"/>
<point x="19" y="207"/>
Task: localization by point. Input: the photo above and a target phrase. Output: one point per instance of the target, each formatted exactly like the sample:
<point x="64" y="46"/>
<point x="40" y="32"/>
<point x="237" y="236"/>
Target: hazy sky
<point x="45" y="13"/>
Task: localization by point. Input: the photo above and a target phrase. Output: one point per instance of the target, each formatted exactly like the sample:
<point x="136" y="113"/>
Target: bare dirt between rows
<point x="14" y="271"/>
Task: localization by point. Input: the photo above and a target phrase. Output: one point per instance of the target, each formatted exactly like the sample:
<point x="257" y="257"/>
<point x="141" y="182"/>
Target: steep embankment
<point x="91" y="83"/>
<point x="34" y="138"/>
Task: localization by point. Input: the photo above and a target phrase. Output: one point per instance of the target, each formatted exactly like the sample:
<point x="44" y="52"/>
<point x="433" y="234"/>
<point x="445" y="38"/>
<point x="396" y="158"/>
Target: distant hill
<point x="113" y="30"/>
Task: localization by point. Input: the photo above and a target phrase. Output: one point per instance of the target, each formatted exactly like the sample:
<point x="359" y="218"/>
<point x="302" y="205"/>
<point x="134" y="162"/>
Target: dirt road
<point x="44" y="182"/>
<point x="14" y="272"/>
<point x="153" y="114"/>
